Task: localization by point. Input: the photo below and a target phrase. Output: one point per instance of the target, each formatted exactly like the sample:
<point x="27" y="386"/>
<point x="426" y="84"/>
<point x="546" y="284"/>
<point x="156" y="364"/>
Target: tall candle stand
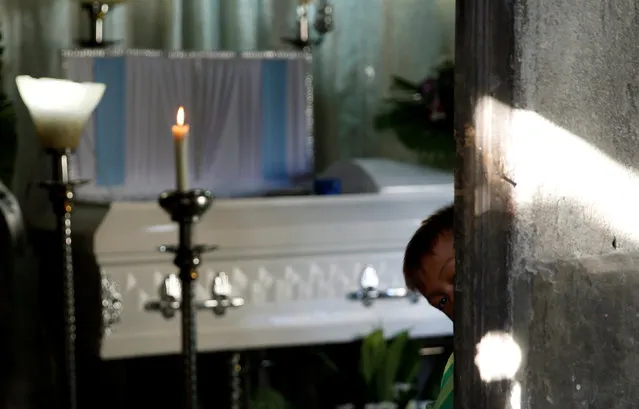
<point x="185" y="208"/>
<point x="97" y="10"/>
<point x="61" y="194"/>
<point x="59" y="110"/>
<point x="323" y="24"/>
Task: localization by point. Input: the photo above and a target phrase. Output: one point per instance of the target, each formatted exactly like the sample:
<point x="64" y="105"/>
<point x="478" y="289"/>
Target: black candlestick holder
<point x="61" y="189"/>
<point x="97" y="11"/>
<point x="324" y="24"/>
<point x="186" y="208"/>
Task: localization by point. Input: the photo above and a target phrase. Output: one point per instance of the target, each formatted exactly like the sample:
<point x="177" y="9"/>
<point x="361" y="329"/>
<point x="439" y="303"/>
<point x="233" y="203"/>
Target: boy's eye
<point x="442" y="302"/>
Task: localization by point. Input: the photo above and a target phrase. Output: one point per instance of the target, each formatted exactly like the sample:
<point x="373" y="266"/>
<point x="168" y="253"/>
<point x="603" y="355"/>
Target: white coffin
<point x="294" y="260"/>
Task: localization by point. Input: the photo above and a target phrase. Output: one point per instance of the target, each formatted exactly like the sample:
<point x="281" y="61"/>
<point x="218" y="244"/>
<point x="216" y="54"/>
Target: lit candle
<point x="180" y="132"/>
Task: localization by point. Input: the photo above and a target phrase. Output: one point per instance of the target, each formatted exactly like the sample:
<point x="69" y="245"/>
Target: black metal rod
<point x="61" y="197"/>
<point x="188" y="274"/>
<point x="185" y="208"/>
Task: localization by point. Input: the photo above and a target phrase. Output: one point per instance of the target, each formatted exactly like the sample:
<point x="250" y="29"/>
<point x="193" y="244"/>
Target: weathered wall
<point x="547" y="121"/>
<point x="583" y="338"/>
<point x="576" y="203"/>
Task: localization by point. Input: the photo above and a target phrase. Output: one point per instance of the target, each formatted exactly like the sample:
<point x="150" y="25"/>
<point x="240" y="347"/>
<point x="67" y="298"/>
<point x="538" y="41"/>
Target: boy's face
<point x="437" y="280"/>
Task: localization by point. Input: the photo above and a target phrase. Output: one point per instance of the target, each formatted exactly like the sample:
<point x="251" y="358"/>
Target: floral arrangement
<point x="8" y="135"/>
<point x="421" y="115"/>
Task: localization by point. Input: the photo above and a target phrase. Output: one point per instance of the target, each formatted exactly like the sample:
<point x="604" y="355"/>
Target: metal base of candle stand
<point x="95" y="44"/>
<point x="301" y="44"/>
<point x="324" y="24"/>
<point x="185" y="208"/>
<point x="61" y="194"/>
<point x="97" y="12"/>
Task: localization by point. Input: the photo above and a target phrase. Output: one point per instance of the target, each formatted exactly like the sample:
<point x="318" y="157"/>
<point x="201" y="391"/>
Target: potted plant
<point x="421" y="115"/>
<point x="8" y="136"/>
<point x="388" y="369"/>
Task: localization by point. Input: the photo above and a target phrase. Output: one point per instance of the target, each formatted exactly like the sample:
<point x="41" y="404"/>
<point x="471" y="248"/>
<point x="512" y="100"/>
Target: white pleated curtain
<point x="372" y="40"/>
<point x="154" y="88"/>
<point x="248" y="117"/>
<point x="229" y="107"/>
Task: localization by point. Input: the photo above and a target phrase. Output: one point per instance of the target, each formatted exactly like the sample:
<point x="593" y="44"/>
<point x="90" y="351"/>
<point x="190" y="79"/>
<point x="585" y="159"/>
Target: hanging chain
<point x="236" y="381"/>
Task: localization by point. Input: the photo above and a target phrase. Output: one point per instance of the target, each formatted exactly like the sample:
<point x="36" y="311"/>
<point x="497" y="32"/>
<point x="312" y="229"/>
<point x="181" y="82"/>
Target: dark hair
<point x="423" y="241"/>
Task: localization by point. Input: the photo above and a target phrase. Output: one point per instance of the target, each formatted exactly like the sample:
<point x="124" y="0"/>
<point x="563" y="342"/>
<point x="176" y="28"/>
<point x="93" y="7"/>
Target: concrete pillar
<point x="547" y="199"/>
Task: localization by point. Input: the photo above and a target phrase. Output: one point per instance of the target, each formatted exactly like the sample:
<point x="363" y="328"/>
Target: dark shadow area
<point x="12" y="247"/>
<point x="296" y="377"/>
<point x="88" y="315"/>
<point x="483" y="257"/>
<point x="35" y="324"/>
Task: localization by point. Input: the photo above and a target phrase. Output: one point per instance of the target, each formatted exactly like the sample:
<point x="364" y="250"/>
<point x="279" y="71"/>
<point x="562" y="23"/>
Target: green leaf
<point x="409" y="367"/>
<point x="404" y="84"/>
<point x="269" y="398"/>
<point x="327" y="362"/>
<point x="387" y="376"/>
<point x="372" y="355"/>
<point x="400" y="116"/>
<point x="409" y="117"/>
<point x="412" y="373"/>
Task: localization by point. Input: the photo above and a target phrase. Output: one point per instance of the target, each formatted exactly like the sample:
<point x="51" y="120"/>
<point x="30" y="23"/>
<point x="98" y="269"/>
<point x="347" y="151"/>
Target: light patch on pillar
<point x="515" y="396"/>
<point x="491" y="118"/>
<point x="498" y="357"/>
<point x="548" y="162"/>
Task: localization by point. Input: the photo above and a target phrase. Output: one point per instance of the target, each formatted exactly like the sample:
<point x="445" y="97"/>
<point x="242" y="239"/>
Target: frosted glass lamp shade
<point x="59" y="108"/>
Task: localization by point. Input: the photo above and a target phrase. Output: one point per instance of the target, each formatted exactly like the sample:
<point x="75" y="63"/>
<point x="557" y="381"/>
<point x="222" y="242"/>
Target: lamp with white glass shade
<point x="60" y="109"/>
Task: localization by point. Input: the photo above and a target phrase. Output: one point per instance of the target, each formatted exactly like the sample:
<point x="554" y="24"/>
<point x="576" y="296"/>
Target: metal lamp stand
<point x="61" y="195"/>
<point x="324" y="23"/>
<point x="97" y="12"/>
<point x="185" y="208"/>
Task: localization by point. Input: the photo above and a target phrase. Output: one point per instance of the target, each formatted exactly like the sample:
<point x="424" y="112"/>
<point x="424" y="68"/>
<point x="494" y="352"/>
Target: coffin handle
<point x="221" y="296"/>
<point x="369" y="290"/>
<point x="170" y="297"/>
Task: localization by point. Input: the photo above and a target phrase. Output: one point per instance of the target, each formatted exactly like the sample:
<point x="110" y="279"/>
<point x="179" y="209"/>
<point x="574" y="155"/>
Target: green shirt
<point x="445" y="398"/>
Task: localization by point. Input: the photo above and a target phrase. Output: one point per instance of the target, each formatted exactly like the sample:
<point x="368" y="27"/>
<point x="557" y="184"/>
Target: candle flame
<point x="180" y="116"/>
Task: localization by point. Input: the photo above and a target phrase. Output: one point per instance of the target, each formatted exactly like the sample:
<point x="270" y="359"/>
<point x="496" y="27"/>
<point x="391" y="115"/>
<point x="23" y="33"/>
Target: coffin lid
<point x="294" y="225"/>
<point x="286" y="226"/>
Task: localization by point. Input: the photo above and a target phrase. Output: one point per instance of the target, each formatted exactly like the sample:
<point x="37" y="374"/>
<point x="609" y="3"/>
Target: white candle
<point x="180" y="132"/>
<point x="304" y="28"/>
<point x="302" y="13"/>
